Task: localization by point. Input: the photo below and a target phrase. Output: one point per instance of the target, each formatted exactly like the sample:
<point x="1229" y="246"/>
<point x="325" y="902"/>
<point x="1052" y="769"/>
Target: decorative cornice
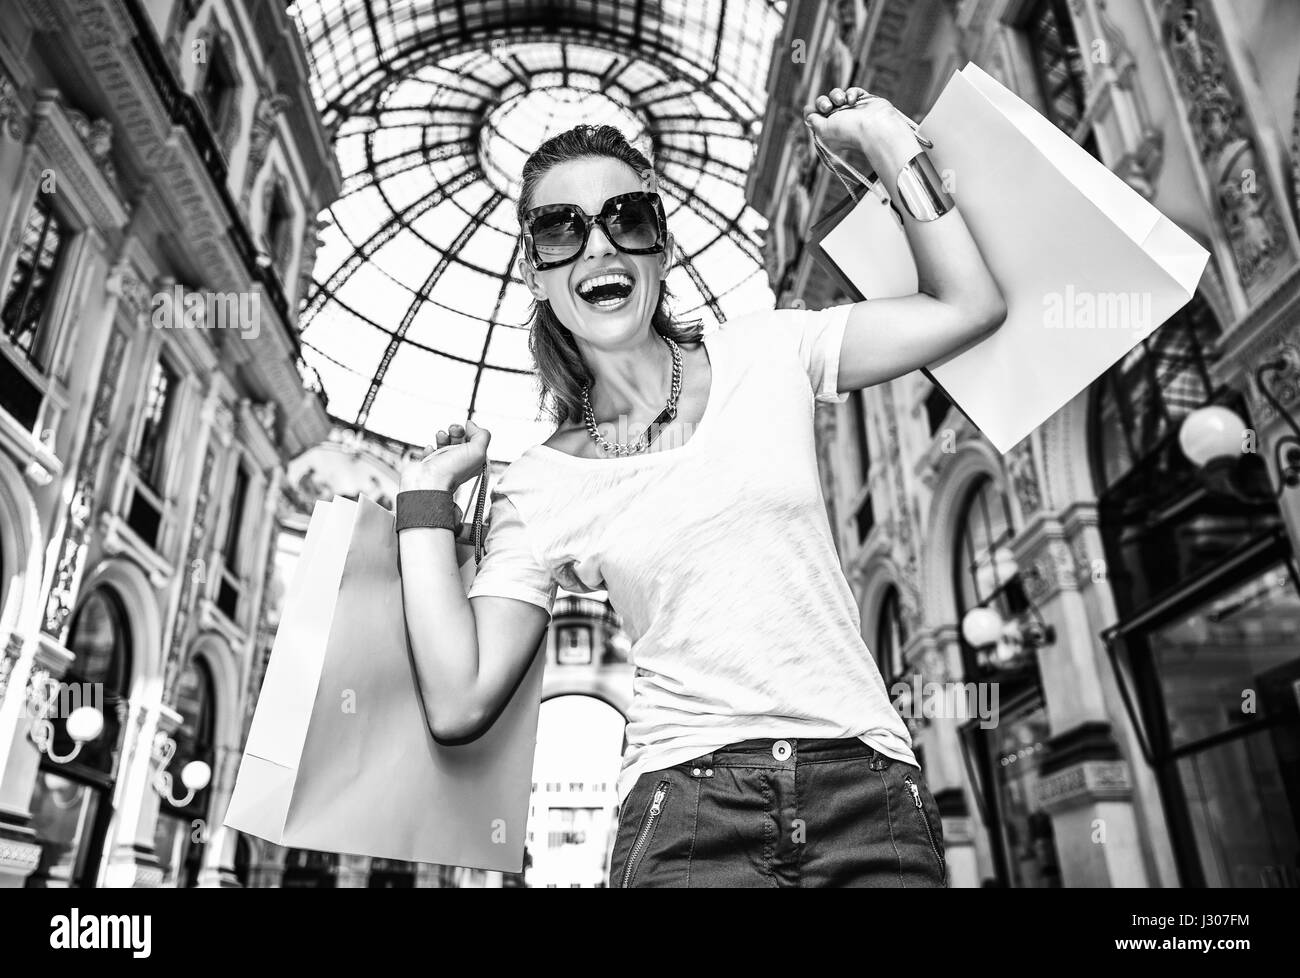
<point x="62" y="135"/>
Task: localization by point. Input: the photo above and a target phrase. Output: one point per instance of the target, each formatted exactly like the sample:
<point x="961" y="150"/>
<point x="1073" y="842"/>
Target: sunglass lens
<point x="634" y="224"/>
<point x="557" y="236"/>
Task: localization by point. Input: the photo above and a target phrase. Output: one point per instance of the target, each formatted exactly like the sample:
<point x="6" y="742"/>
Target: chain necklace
<point x="665" y="416"/>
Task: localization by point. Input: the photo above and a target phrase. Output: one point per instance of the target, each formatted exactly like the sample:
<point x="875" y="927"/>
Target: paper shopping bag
<point x="1088" y="267"/>
<point x="263" y="789"/>
<point x="358" y="770"/>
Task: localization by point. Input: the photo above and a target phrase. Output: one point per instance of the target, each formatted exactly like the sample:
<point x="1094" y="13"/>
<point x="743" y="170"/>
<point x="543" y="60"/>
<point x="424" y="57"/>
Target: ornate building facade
<point x="1144" y="723"/>
<point x="161" y="167"/>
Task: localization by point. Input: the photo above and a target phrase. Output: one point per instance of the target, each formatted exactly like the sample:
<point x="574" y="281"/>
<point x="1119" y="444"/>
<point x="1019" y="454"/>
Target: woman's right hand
<point x="457" y="456"/>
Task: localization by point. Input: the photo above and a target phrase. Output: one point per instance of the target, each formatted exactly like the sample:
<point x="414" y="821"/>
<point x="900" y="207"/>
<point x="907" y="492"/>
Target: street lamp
<point x="1213" y="438"/>
<point x="83" y="725"/>
<point x="195" y="775"/>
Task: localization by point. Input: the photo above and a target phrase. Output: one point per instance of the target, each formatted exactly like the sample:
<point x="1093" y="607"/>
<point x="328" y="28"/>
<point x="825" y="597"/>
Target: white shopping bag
<point x="339" y="757"/>
<point x="1088" y="267"/>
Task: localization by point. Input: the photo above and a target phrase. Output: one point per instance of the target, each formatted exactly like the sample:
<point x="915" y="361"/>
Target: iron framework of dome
<point x="416" y="316"/>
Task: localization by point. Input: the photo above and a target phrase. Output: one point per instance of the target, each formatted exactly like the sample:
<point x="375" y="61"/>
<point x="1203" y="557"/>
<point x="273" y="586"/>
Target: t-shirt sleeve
<point x="818" y="335"/>
<point x="510" y="568"/>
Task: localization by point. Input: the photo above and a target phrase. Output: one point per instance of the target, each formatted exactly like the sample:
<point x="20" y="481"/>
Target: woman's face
<point x="589" y="182"/>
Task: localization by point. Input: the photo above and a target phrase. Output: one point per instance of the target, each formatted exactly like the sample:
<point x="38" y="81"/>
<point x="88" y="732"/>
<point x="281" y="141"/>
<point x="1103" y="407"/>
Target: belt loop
<point x="878" y="760"/>
<point x="702" y="766"/>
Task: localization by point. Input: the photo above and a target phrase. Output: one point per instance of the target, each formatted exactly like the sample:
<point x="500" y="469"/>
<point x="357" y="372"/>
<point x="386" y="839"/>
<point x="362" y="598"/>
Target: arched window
<point x="181" y="830"/>
<point x="1002" y="758"/>
<point x="983" y="565"/>
<point x="71" y="804"/>
<point x="891" y="636"/>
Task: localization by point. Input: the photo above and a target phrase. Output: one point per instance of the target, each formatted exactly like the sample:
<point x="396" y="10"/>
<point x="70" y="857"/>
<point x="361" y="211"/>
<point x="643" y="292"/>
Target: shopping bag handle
<point x="835" y="163"/>
<point x="479" y="502"/>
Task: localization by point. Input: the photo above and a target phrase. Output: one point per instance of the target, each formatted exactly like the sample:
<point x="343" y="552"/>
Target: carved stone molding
<point x="1295" y="159"/>
<point x="1051" y="570"/>
<point x="1085" y="784"/>
<point x="8" y="659"/>
<point x="1226" y="142"/>
<point x="901" y="524"/>
<point x="1024" y="478"/>
<point x="134" y="295"/>
<point x="62" y="596"/>
<point x="1112" y="82"/>
<point x="269" y="107"/>
<point x="311" y="242"/>
<point x="265" y="414"/>
<point x="13" y="117"/>
<point x="20" y="858"/>
<point x="97" y="135"/>
<point x="214" y="38"/>
<point x="78" y="151"/>
<point x="190" y="585"/>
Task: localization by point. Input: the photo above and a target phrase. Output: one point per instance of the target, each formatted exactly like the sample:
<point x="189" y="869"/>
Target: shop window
<point x="150" y="451"/>
<point x="1058" y="64"/>
<point x="30" y="288"/>
<point x="1002" y="762"/>
<point x="219" y="87"/>
<point x="1206" y="588"/>
<point x="231" y="586"/>
<point x="278" y="226"/>
<point x="1160" y="524"/>
<point x="24" y="323"/>
<point x="144" y="513"/>
<point x="72" y="802"/>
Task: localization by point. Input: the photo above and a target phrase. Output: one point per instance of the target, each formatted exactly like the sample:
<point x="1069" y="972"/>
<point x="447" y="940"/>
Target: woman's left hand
<point x="870" y="123"/>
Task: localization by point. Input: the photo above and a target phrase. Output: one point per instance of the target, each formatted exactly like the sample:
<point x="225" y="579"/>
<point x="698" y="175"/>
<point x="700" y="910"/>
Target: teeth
<point x="611" y="278"/>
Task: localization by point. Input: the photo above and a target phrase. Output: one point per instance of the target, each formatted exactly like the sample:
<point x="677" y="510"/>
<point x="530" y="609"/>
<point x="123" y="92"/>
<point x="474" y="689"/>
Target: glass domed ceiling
<point x="416" y="316"/>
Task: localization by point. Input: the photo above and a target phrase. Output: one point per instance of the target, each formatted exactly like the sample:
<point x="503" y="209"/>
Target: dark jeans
<point x="821" y="812"/>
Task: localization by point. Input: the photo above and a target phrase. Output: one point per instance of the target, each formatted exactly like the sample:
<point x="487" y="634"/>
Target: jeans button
<point x="781" y="750"/>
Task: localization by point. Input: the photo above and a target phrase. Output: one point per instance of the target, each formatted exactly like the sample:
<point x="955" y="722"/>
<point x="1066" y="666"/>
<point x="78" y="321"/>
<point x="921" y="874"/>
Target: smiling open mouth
<point x="606" y="291"/>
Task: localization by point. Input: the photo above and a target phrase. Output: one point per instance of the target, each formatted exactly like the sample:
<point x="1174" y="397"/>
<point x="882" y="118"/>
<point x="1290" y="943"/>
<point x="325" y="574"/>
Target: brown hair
<point x="561" y="370"/>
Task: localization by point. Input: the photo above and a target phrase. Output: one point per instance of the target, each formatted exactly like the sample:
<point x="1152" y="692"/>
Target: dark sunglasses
<point x="556" y="234"/>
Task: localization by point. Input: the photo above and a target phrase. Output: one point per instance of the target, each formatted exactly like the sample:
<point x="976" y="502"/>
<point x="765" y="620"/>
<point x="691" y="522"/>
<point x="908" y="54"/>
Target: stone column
<point x="132" y="860"/>
<point x="1084" y="781"/>
<point x="19" y="851"/>
<point x="218" y="867"/>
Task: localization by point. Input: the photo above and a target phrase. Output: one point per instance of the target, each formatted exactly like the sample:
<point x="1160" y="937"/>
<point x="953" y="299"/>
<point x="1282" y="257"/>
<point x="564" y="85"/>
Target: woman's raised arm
<point x="469" y="653"/>
<point x="957" y="300"/>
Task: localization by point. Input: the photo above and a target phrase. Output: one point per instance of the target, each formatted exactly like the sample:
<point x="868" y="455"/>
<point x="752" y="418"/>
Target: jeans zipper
<point x="929" y="833"/>
<point x="647" y="826"/>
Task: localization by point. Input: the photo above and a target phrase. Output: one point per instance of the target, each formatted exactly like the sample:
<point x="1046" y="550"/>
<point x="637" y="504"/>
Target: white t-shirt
<point x="717" y="554"/>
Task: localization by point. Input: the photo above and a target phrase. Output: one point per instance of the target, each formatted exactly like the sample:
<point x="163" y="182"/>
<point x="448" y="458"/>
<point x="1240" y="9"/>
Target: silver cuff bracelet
<point x="921" y="189"/>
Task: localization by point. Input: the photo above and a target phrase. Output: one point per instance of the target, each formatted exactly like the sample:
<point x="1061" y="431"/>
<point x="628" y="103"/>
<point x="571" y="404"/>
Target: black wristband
<point x="427" y="507"/>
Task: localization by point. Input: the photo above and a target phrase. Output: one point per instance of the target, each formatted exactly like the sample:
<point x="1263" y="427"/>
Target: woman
<point x="762" y="748"/>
